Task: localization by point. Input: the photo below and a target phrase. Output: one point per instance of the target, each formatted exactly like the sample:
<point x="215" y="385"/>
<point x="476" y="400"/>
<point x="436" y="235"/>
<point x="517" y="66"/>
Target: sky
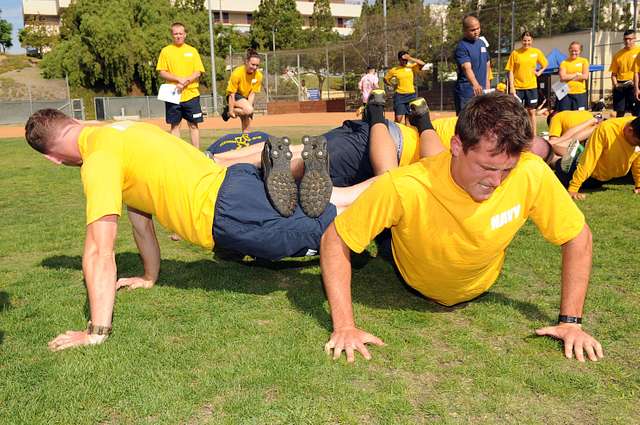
<point x="12" y="12"/>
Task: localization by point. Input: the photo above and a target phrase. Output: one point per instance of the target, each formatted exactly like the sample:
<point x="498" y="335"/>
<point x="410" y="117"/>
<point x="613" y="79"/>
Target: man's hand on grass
<point x="350" y="340"/>
<point x="71" y="339"/>
<point x="575" y="341"/>
<point x="134" y="283"/>
<point x="636" y="191"/>
<point x="576" y="196"/>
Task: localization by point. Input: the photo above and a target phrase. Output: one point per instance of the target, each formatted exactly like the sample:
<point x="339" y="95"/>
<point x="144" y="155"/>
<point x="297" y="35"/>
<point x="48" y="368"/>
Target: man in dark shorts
<point x="623" y="68"/>
<point x="205" y="204"/>
<point x="180" y="64"/>
<point x="401" y="78"/>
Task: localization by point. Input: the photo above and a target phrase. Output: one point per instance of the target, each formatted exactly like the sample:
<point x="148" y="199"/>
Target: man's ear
<point x="456" y="145"/>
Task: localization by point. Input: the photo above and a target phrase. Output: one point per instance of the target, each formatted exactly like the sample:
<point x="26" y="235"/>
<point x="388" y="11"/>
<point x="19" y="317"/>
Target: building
<point x="237" y="13"/>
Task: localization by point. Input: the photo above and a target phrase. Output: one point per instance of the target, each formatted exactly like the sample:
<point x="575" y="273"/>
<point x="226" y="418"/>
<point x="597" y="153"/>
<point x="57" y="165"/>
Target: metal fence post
<point x="326" y="58"/>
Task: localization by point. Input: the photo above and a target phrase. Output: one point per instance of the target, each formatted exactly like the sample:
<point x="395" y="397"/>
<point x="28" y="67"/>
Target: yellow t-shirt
<point x="243" y="83"/>
<point x="522" y="62"/>
<point x="152" y="171"/>
<point x="447" y="246"/>
<point x="607" y="155"/>
<point x="444" y="127"/>
<point x="563" y="121"/>
<point x="404" y="75"/>
<point x="576" y="66"/>
<point x="624" y="63"/>
<point x="181" y="61"/>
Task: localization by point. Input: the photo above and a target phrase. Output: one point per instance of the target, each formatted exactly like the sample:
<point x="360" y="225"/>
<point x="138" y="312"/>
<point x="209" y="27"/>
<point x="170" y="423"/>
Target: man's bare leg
<point x="245" y="122"/>
<point x="430" y="144"/>
<point x="194" y="132"/>
<point x="342" y="197"/>
<point x="175" y="129"/>
<point x="383" y="153"/>
<point x="580" y="132"/>
<point x="533" y="119"/>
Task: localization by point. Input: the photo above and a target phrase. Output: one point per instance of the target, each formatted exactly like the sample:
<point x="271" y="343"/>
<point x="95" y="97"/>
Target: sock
<point x="375" y="114"/>
<point x="421" y="122"/>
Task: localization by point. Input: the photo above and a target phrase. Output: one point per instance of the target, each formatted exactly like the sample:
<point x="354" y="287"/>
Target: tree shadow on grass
<point x="376" y="285"/>
<point x="5" y="304"/>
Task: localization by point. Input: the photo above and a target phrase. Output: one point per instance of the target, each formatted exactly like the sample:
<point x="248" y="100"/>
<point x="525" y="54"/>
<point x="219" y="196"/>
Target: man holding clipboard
<point x="180" y="64"/>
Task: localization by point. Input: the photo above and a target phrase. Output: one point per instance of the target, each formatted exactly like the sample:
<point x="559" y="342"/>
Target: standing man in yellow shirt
<point x="452" y="217"/>
<point x="574" y="71"/>
<point x="523" y="75"/>
<point x="180" y="63"/>
<point x="245" y="81"/>
<point x="612" y="150"/>
<point x="623" y="70"/>
<point x="208" y="205"/>
<point x="401" y="77"/>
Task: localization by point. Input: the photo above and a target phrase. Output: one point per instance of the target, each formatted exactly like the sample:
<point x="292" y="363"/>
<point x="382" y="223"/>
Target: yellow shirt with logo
<point x="152" y="171"/>
<point x="624" y="63"/>
<point x="576" y="66"/>
<point x="563" y="121"/>
<point x="607" y="155"/>
<point x="404" y="75"/>
<point x="446" y="245"/>
<point x="182" y="62"/>
<point x="244" y="83"/>
<point x="522" y="62"/>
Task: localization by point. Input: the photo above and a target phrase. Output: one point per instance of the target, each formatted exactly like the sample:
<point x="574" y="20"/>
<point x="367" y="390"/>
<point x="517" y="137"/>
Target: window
<point x="340" y="22"/>
<point x="216" y="16"/>
<point x="249" y="18"/>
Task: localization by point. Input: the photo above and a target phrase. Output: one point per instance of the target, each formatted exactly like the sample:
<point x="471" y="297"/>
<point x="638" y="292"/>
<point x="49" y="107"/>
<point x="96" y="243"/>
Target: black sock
<point x="375" y="114"/>
<point x="421" y="122"/>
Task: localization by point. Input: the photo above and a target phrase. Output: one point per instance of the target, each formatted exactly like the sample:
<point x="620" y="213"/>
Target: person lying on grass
<point x="155" y="174"/>
<point x="452" y="217"/>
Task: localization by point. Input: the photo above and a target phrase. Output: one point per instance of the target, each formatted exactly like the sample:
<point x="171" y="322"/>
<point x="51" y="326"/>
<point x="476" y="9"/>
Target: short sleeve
<point x="511" y="61"/>
<point x="461" y="54"/>
<point x="234" y="83"/>
<point x="542" y="60"/>
<point x="102" y="178"/>
<point x="162" y="64"/>
<point x="357" y="226"/>
<point x="257" y="86"/>
<point x="197" y="64"/>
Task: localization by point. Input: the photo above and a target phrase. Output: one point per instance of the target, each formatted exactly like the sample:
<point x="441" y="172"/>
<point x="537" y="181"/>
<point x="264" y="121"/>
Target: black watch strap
<point x="569" y="319"/>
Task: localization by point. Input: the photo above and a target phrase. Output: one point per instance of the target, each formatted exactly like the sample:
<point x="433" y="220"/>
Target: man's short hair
<point x="496" y="116"/>
<point x="628" y="32"/>
<point x="401" y="53"/>
<point x="635" y="125"/>
<point x="178" y="24"/>
<point x="42" y="126"/>
<point x="467" y="18"/>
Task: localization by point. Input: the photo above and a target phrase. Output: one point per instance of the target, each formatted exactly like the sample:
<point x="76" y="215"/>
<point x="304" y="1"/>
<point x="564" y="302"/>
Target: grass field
<point x="225" y="342"/>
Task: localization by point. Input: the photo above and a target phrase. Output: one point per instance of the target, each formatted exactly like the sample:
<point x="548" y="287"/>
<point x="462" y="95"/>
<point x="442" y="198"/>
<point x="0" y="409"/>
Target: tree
<point x="320" y="34"/>
<point x="37" y="36"/>
<point x="278" y="19"/>
<point x="5" y="34"/>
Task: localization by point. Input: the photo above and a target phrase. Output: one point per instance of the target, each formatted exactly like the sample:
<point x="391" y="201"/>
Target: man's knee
<point x="192" y="125"/>
<point x="247" y="110"/>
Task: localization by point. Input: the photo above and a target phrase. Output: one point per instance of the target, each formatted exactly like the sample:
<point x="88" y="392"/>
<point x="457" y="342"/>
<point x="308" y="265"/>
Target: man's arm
<point x="487" y="86"/>
<point x="145" y="236"/>
<point x="587" y="162"/>
<point x="468" y="71"/>
<point x="99" y="267"/>
<point x="512" y="83"/>
<point x="576" y="268"/>
<point x="614" y="80"/>
<point x="635" y="172"/>
<point x="335" y="263"/>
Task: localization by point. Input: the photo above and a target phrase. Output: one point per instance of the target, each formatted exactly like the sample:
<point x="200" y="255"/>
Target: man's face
<point x="178" y="34"/>
<point x="574" y="51"/>
<point x="629" y="41"/>
<point x="252" y="65"/>
<point x="472" y="29"/>
<point x="480" y="171"/>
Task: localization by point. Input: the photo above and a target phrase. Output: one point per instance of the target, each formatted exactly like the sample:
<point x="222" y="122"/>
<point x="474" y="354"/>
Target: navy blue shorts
<point x="246" y="223"/>
<point x="189" y="110"/>
<point x="624" y="99"/>
<point x="462" y="94"/>
<point x="572" y="102"/>
<point x="236" y="96"/>
<point x="348" y="148"/>
<point x="528" y="97"/>
<point x="401" y="102"/>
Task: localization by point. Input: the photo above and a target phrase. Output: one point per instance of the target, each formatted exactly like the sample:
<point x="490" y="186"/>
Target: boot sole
<point x="278" y="181"/>
<point x="316" y="185"/>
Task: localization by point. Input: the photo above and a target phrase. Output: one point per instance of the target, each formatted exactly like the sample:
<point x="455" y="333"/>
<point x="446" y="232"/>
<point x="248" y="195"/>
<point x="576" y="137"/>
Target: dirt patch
<point x="22" y="84"/>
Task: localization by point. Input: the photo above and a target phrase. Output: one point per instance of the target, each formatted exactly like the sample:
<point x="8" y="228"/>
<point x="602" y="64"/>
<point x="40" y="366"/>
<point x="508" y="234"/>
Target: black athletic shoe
<point x="225" y="114"/>
<point x="377" y="97"/>
<point x="419" y="114"/>
<point x="374" y="112"/>
<point x="315" y="186"/>
<point x="276" y="171"/>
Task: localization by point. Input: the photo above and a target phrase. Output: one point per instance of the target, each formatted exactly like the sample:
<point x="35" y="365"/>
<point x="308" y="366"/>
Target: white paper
<point x="560" y="89"/>
<point x="169" y="93"/>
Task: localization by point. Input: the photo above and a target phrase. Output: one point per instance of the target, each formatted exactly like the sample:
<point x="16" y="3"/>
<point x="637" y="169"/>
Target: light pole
<point x="384" y="15"/>
<point x="275" y="63"/>
<point x="214" y="89"/>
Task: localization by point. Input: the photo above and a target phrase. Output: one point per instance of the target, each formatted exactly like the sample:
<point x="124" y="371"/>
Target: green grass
<point x="225" y="342"/>
<point x="13" y="62"/>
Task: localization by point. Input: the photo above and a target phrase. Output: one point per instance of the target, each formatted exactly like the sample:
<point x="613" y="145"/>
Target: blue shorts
<point x="348" y="148"/>
<point x="189" y="110"/>
<point x="401" y="102"/>
<point x="245" y="222"/>
<point x="528" y="97"/>
<point x="572" y="102"/>
<point x="462" y="94"/>
<point x="233" y="141"/>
